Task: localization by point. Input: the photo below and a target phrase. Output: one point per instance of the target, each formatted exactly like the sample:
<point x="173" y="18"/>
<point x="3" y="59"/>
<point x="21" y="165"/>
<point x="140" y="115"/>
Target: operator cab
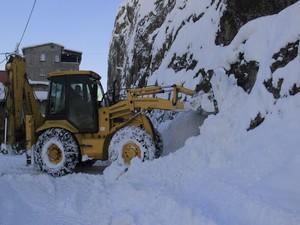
<point x="74" y="96"/>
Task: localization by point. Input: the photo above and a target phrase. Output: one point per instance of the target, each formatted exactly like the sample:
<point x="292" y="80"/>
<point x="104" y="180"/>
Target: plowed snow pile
<point x="223" y="174"/>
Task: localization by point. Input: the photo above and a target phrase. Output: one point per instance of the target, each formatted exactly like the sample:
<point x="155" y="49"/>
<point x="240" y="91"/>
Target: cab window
<point x="102" y="101"/>
<point x="57" y="100"/>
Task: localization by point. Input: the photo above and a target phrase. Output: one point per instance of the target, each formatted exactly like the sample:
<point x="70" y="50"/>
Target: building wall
<point x="43" y="59"/>
<point x="3" y="76"/>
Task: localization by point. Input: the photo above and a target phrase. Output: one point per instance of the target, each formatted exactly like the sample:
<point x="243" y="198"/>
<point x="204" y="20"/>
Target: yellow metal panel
<point x="93" y="148"/>
<point x="58" y="123"/>
<point x="30" y="134"/>
<point x="184" y="90"/>
<point x="103" y="121"/>
<point x="120" y="106"/>
<point x="75" y="72"/>
<point x="156" y="103"/>
<point x="32" y="106"/>
<point x="16" y="74"/>
<point x="145" y="89"/>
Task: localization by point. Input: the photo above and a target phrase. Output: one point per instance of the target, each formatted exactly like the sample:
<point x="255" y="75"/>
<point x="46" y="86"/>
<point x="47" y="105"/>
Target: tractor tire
<point x="130" y="142"/>
<point x="56" y="152"/>
<point x="159" y="144"/>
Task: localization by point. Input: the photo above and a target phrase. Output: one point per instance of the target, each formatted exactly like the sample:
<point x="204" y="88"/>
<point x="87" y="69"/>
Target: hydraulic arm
<point x="20" y="102"/>
<point x="138" y="99"/>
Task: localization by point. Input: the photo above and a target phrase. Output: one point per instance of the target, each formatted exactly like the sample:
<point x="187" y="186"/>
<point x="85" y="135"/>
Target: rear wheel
<point x="56" y="152"/>
<point x="130" y="142"/>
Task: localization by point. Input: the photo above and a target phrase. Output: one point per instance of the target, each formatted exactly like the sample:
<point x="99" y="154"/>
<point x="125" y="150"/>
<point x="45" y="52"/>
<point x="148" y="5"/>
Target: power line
<point x="18" y="45"/>
<point x="102" y="53"/>
<point x="96" y="53"/>
<point x="3" y="61"/>
<point x="6" y="57"/>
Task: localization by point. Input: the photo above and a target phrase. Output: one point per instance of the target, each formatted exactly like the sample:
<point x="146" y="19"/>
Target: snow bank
<point x="34" y="82"/>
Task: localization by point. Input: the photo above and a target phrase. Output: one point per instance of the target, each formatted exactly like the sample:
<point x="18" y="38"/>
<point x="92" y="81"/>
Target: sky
<point x="79" y="25"/>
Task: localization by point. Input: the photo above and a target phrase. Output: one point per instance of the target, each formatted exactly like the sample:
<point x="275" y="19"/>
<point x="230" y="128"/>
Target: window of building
<point x="43" y="57"/>
<point x="42" y="72"/>
<point x="56" y="58"/>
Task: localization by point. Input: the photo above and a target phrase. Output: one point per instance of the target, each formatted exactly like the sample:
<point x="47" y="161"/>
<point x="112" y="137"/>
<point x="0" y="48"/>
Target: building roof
<point x="40" y="45"/>
<point x="68" y="51"/>
<point x="50" y="43"/>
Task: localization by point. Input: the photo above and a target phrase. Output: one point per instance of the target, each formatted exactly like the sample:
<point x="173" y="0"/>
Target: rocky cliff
<point x="189" y="42"/>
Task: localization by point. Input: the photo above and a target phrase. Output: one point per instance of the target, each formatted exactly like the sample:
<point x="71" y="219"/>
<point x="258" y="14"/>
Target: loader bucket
<point x="204" y="103"/>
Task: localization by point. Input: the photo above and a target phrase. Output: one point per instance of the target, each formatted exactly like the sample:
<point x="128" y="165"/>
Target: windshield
<point x="73" y="98"/>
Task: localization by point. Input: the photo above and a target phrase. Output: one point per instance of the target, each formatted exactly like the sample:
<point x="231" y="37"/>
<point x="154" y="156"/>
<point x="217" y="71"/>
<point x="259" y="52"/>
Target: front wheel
<point x="130" y="142"/>
<point x="56" y="152"/>
<point x="159" y="144"/>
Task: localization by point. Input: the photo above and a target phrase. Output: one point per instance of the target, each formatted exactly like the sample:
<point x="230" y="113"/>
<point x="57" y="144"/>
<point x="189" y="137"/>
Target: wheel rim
<point x="130" y="151"/>
<point x="55" y="154"/>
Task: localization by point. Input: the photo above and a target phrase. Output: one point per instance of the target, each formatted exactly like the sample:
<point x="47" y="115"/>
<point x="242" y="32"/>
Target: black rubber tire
<point x="67" y="146"/>
<point x="159" y="144"/>
<point x="135" y="135"/>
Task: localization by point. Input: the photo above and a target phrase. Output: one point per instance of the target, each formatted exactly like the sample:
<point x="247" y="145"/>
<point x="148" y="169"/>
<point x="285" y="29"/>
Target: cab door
<point x="71" y="98"/>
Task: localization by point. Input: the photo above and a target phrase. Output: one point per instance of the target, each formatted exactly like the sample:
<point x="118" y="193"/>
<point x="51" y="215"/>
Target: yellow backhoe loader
<point x="79" y="124"/>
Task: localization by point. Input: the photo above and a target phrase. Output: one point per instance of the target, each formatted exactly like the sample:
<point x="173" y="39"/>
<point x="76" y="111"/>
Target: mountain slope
<point x="243" y="168"/>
